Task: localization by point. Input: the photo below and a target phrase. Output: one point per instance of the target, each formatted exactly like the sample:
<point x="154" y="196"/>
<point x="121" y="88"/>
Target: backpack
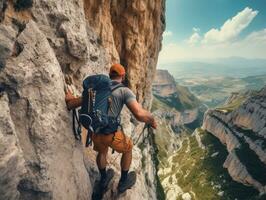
<point x="96" y="101"/>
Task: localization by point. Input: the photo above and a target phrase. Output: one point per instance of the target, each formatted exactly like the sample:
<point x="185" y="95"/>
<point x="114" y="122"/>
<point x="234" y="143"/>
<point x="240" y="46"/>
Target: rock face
<point x="176" y="99"/>
<point x="10" y="153"/>
<point x="41" y="122"/>
<point x="42" y="43"/>
<point x="242" y="130"/>
<point x="128" y="30"/>
<point x="164" y="84"/>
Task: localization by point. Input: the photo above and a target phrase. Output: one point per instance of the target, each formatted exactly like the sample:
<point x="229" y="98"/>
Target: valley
<point x="213" y="91"/>
<point x="223" y="155"/>
<point x="213" y="81"/>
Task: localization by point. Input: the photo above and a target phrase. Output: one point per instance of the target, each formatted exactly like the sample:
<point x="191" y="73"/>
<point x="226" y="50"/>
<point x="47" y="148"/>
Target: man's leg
<point x="106" y="175"/>
<point x="101" y="161"/>
<point x="125" y="164"/>
<point x="123" y="144"/>
<point x="127" y="180"/>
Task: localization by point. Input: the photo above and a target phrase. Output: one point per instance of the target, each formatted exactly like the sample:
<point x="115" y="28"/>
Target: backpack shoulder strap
<point x="76" y="130"/>
<point x="113" y="88"/>
<point x="119" y="85"/>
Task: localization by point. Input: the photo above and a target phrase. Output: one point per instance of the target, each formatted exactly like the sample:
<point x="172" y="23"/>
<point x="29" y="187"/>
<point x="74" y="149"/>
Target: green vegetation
<point x="218" y="174"/>
<point x="157" y="104"/>
<point x="250" y="159"/>
<point x="213" y="91"/>
<point x="233" y="105"/>
<point x="172" y="102"/>
<point x="183" y="100"/>
<point x="159" y="188"/>
<point x="253" y="136"/>
<point x="195" y="174"/>
<point x="162" y="141"/>
<point x="201" y="172"/>
<point x="237" y="102"/>
<point x="187" y="99"/>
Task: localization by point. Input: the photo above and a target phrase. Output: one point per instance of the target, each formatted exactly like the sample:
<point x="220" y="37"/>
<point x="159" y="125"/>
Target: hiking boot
<point x="101" y="186"/>
<point x="105" y="182"/>
<point x="128" y="183"/>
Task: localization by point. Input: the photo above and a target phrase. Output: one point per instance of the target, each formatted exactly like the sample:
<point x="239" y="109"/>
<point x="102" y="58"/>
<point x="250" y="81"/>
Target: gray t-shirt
<point x="120" y="97"/>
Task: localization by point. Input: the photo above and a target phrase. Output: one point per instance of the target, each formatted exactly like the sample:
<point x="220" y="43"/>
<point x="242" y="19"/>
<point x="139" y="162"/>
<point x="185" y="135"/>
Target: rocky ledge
<point x="242" y="128"/>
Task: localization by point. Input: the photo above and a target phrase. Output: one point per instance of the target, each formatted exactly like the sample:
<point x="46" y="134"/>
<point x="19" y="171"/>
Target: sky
<point x="209" y="29"/>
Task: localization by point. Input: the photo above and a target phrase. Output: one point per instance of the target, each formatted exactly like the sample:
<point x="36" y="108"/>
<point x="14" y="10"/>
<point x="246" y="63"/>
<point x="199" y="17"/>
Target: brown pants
<point x="117" y="141"/>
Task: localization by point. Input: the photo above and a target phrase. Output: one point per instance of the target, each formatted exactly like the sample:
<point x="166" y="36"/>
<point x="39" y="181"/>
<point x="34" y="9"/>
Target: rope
<point x="147" y="126"/>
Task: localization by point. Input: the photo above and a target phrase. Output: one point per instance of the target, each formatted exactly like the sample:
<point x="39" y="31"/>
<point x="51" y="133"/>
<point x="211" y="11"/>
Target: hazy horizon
<point x="197" y="30"/>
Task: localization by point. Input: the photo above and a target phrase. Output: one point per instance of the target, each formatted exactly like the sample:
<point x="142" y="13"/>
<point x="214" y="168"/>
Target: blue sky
<point x="205" y="29"/>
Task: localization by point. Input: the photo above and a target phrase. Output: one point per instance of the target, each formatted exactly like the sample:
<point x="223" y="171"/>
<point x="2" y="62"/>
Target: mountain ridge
<point x="212" y="158"/>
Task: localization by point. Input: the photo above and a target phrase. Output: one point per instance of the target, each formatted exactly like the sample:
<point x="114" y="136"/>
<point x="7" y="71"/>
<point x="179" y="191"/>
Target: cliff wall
<point x="42" y="44"/>
<point x="174" y="102"/>
<point x="242" y="129"/>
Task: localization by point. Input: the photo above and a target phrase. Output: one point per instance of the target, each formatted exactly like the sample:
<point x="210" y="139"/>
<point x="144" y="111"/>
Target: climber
<point x="117" y="140"/>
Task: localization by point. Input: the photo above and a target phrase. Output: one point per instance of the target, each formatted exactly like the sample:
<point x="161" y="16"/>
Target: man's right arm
<point x="141" y="114"/>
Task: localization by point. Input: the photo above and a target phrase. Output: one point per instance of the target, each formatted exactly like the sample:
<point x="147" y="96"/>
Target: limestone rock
<point x="218" y="129"/>
<point x="164" y="84"/>
<point x="165" y="90"/>
<point x="239" y="173"/>
<point x="42" y="43"/>
<point x="3" y="6"/>
<point x="12" y="162"/>
<point x="41" y="123"/>
<point x="245" y="125"/>
<point x="127" y="30"/>
<point x="7" y="43"/>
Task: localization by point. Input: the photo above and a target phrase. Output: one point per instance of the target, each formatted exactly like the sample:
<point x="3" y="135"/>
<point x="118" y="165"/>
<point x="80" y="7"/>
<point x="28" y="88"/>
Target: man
<point x="118" y="140"/>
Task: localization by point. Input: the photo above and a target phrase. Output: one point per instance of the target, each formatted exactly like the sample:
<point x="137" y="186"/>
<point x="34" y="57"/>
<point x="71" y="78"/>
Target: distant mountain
<point x="239" y="62"/>
<point x="213" y="91"/>
<point x="232" y="67"/>
<point x="170" y="93"/>
<point x="175" y="105"/>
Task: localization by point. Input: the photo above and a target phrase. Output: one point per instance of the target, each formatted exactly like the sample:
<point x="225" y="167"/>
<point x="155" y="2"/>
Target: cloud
<point x="257" y="37"/>
<point x="252" y="46"/>
<point x="218" y="43"/>
<point x="231" y="28"/>
<point x="194" y="38"/>
<point x="195" y="29"/>
<point x="167" y="33"/>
